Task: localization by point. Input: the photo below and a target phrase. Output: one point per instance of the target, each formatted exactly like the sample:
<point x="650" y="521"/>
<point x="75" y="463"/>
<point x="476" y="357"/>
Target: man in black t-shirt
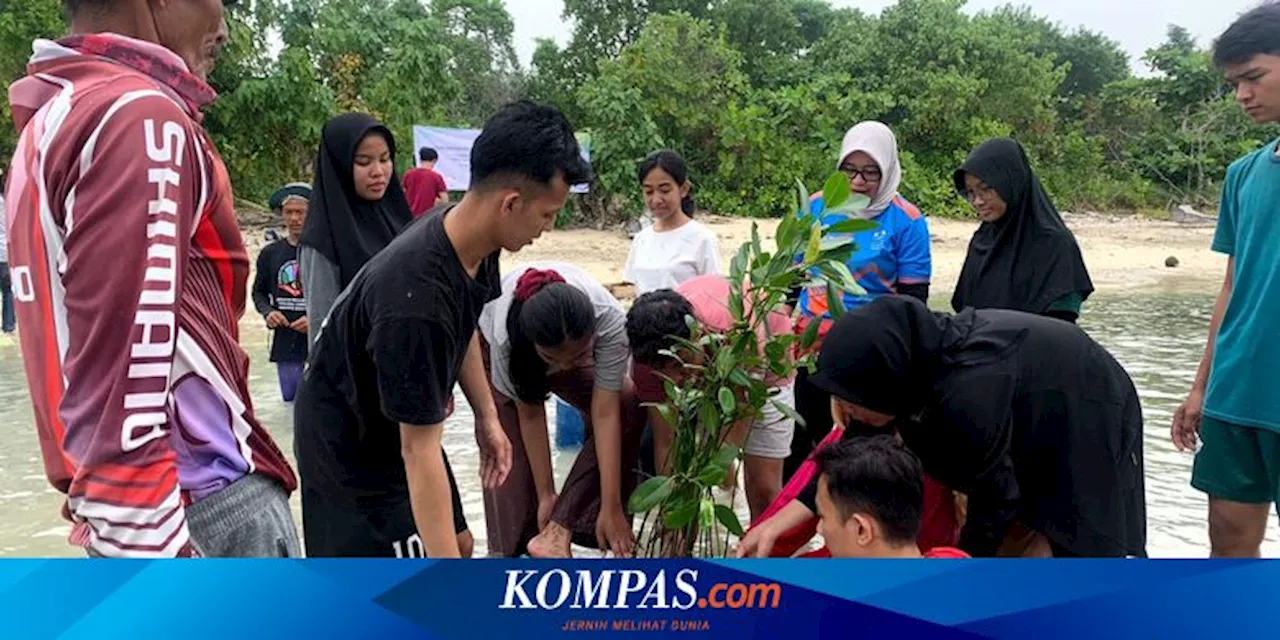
<point x="374" y="398"/>
<point x="277" y="289"/>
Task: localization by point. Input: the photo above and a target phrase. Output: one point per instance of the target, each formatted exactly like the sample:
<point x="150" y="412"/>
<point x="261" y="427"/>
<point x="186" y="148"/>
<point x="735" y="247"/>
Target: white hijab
<point x="876" y="140"/>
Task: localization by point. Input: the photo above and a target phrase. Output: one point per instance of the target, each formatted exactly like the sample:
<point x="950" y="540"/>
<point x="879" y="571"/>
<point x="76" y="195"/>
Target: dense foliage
<point x="754" y="92"/>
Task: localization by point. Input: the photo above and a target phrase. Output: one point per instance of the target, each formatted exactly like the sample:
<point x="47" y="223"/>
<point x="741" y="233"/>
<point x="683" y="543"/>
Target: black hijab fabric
<point x="342" y="226"/>
<point x="1027" y="259"/>
<point x="879" y="355"/>
<point x="886" y="355"/>
<point x="1026" y="415"/>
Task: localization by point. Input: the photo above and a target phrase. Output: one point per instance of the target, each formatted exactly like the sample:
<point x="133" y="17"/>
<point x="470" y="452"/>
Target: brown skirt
<point x="511" y="511"/>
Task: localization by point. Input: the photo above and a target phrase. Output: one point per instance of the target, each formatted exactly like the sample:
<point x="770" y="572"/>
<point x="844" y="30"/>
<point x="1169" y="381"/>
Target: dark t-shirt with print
<point x="278" y="287"/>
<point x="389" y="353"/>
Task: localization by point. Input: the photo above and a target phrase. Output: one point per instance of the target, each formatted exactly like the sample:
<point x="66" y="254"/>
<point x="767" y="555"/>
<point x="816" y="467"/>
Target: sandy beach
<point x="1121" y="251"/>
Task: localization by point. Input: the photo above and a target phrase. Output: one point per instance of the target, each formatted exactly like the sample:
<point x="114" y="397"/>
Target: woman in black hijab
<point x="1028" y="416"/>
<point x="1023" y="257"/>
<point x="357" y="208"/>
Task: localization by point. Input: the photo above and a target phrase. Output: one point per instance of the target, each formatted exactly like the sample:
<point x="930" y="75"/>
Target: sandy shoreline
<point x="1121" y="252"/>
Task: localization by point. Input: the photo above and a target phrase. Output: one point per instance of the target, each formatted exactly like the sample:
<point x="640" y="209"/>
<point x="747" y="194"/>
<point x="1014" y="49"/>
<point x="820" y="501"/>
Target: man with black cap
<point x="277" y="289"/>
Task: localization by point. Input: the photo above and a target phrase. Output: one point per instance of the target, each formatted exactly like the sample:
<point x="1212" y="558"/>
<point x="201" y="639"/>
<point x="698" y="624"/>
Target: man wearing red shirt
<point x="423" y="186"/>
<point x="870" y="499"/>
<point x="129" y="275"/>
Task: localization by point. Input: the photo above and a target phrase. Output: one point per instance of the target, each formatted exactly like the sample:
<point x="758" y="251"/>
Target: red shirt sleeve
<point x="438" y="185"/>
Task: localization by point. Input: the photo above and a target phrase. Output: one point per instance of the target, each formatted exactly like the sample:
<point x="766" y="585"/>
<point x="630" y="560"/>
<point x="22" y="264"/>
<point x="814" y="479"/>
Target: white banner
<point x="454" y="147"/>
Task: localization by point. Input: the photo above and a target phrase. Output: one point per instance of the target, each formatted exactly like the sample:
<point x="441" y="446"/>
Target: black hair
<point x="1252" y="34"/>
<point x="674" y="165"/>
<point x="653" y="320"/>
<point x="556" y="314"/>
<point x="876" y="476"/>
<point x="526" y="140"/>
<point x="427" y="154"/>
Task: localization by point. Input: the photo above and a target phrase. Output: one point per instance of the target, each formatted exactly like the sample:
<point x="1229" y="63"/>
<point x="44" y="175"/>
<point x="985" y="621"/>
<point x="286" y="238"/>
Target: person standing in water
<point x="677" y="247"/>
<point x="557" y="330"/>
<point x="371" y="408"/>
<point x="357" y="209"/>
<point x="1034" y="421"/>
<point x="1023" y="257"/>
<point x="277" y="289"/>
<point x="1233" y="407"/>
<point x="894" y="257"/>
<point x="131" y="291"/>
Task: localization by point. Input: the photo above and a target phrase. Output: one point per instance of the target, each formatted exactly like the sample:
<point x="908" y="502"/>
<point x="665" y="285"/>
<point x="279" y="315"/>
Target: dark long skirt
<point x="511" y="511"/>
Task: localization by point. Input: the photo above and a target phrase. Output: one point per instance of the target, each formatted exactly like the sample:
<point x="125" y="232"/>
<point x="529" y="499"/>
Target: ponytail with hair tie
<point x="532" y="281"/>
<point x="564" y="313"/>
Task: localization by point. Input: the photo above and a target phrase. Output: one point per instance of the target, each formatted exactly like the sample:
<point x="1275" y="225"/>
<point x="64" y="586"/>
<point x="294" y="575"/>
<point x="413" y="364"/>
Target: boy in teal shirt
<point x="1234" y="406"/>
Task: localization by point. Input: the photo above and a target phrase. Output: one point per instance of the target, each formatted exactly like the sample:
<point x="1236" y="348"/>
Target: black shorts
<point x="339" y="519"/>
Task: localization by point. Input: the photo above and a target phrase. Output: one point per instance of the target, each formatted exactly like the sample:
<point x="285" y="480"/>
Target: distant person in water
<point x="357" y="209"/>
<point x="558" y="330"/>
<point x="371" y="409"/>
<point x="423" y="185"/>
<point x="277" y="289"/>
<point x="1023" y="257"/>
<point x="1029" y="417"/>
<point x="1233" y="407"/>
<point x="870" y="500"/>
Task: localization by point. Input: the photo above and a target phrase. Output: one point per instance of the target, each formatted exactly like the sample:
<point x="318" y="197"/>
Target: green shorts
<point x="1237" y="463"/>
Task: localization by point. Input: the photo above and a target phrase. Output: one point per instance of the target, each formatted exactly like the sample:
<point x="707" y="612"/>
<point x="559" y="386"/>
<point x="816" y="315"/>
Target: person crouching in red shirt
<point x="871" y="500"/>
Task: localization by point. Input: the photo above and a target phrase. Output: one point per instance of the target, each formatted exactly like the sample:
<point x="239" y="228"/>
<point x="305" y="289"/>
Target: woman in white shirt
<point x="675" y="248"/>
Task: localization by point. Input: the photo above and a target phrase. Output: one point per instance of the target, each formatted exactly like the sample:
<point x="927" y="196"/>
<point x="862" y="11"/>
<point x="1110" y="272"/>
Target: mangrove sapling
<point x="726" y="376"/>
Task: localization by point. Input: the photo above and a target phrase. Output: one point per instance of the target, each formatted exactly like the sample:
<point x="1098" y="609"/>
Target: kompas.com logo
<point x="612" y="589"/>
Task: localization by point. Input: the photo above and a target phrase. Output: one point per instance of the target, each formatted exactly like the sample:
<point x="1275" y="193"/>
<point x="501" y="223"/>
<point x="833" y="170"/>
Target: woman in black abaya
<point x="1023" y="257"/>
<point x="357" y="208"/>
<point x="1028" y="416"/>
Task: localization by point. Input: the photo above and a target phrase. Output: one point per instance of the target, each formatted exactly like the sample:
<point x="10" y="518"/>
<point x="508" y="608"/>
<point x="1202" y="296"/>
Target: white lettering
<point x="166" y="275"/>
<point x="657" y="591"/>
<point x="149" y="370"/>
<point x="162" y="178"/>
<point x="686" y="587"/>
<point x="515" y="589"/>
<point x="23" y="288"/>
<point x="541" y="592"/>
<point x="411" y="548"/>
<point x="149" y="345"/>
<point x="588" y="590"/>
<point x="632" y="582"/>
<point x="155" y="320"/>
<point x="174" y="136"/>
<point x="152" y="422"/>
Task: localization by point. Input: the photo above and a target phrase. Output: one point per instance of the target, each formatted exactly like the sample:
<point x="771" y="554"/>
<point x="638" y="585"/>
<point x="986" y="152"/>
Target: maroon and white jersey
<point x="129" y="276"/>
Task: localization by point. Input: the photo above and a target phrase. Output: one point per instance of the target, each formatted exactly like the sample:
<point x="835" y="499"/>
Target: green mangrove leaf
<point x="835" y="191"/>
<point x="729" y="519"/>
<point x="650" y="494"/>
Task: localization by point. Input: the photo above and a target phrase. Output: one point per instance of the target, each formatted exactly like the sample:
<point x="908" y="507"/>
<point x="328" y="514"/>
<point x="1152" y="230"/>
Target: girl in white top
<point x="675" y="248"/>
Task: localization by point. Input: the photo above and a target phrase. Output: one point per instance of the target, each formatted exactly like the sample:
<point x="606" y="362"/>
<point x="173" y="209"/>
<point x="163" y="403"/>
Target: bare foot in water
<point x="553" y="542"/>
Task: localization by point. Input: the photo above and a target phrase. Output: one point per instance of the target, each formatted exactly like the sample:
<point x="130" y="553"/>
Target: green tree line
<point x="755" y="93"/>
